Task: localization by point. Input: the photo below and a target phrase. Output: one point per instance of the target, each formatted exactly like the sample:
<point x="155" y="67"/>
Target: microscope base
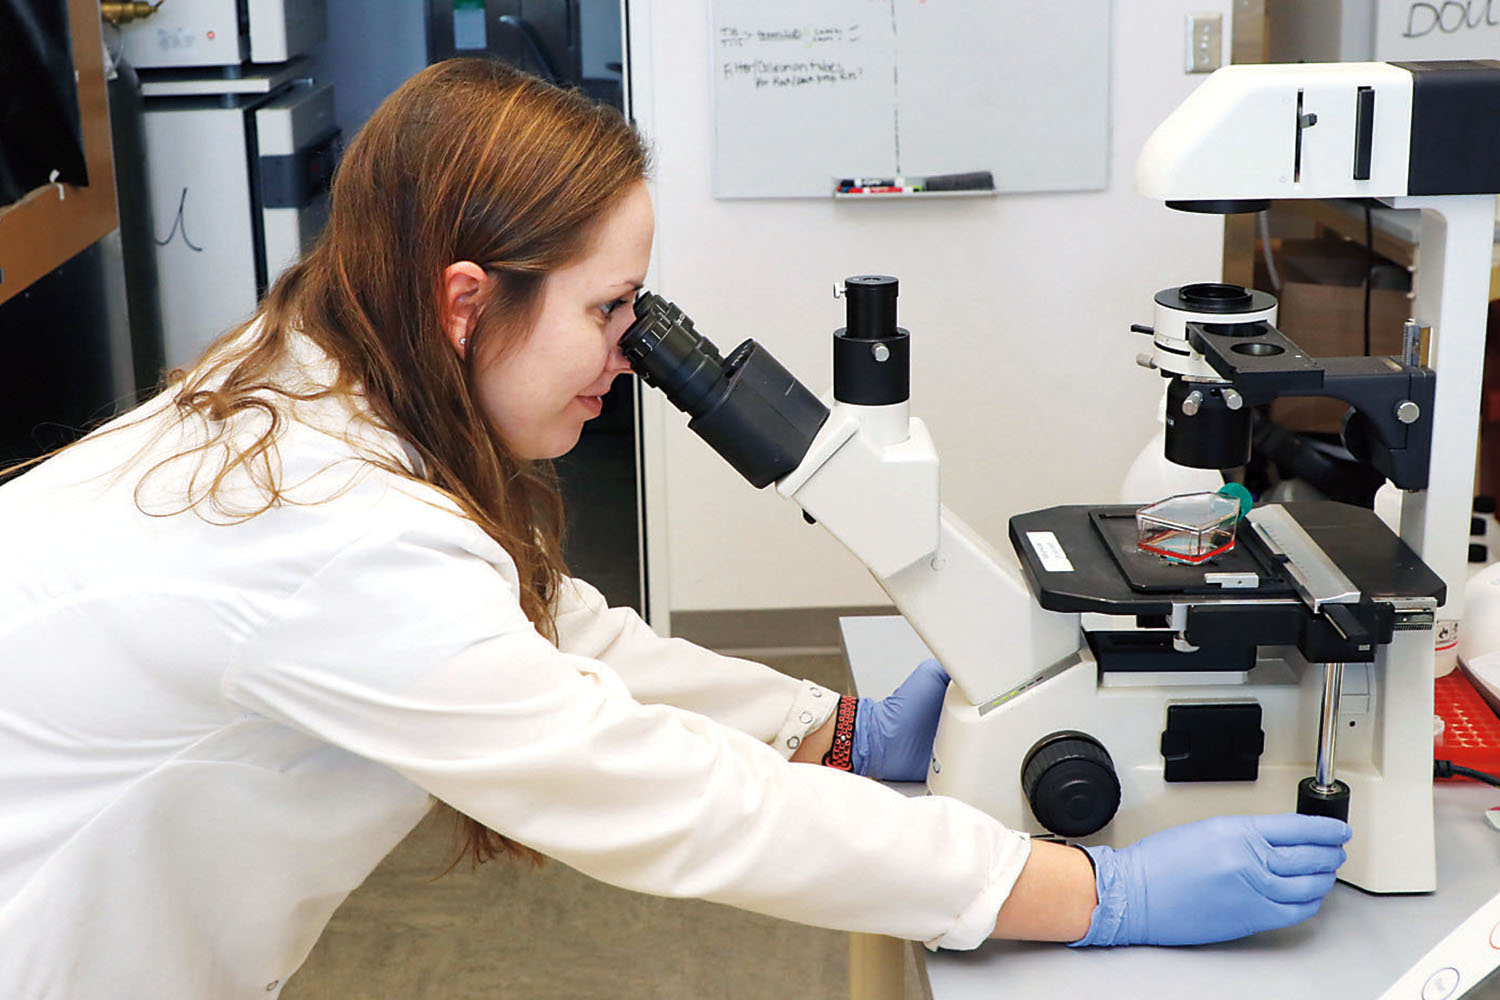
<point x="1385" y="753"/>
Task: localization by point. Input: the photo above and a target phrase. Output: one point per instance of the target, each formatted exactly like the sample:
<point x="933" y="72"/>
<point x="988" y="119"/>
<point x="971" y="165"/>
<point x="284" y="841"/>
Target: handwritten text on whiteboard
<point x="1450" y="17"/>
<point x="790" y="55"/>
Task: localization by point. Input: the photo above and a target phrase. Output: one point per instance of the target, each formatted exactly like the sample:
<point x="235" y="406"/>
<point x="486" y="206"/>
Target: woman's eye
<point x="609" y="307"/>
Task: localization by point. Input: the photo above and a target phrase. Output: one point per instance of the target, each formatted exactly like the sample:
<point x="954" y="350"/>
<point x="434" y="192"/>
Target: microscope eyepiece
<point x="870" y="304"/>
<point x="871" y="354"/>
<point x="667" y="353"/>
<point x="747" y="406"/>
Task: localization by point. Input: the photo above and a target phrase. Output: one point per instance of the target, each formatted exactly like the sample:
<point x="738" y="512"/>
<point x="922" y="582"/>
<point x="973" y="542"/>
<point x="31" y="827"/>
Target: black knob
<point x="1070" y="781"/>
<point x="1315" y="800"/>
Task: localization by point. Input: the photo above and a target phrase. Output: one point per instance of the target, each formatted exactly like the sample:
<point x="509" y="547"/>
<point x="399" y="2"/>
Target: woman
<point x="250" y="628"/>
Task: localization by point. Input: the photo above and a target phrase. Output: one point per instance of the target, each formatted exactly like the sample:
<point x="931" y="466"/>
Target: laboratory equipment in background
<point x="1100" y="692"/>
<point x="573" y="43"/>
<point x="239" y="190"/>
<point x="539" y="36"/>
<point x="196" y="34"/>
<point x="240" y="147"/>
<point x="127" y="130"/>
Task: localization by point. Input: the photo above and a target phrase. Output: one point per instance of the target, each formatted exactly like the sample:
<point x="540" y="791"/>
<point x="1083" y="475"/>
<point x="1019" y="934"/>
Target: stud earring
<point x="463" y="341"/>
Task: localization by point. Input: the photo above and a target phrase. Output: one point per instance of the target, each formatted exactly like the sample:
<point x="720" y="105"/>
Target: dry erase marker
<point x="848" y="185"/>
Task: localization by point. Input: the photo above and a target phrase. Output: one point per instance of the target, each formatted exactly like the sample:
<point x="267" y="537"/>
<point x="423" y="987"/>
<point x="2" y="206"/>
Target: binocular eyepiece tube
<point x="749" y="409"/>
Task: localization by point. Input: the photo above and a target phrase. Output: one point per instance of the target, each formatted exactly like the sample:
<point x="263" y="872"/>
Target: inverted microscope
<point x="1100" y="691"/>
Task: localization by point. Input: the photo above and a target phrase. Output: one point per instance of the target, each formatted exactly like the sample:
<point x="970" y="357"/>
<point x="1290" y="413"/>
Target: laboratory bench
<point x="1356" y="946"/>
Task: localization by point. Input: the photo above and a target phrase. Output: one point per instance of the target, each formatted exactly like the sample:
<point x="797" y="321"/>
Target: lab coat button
<point x="806" y="717"/>
<point x="817" y="692"/>
<point x="794" y="742"/>
<point x="271" y="986"/>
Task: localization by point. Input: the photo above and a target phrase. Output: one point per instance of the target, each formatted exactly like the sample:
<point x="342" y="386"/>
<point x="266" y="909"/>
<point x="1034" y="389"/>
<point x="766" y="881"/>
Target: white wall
<point x="1019" y="308"/>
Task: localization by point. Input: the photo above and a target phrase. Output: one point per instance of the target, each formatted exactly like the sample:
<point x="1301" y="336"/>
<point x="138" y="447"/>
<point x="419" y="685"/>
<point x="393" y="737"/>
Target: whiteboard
<point x="809" y="91"/>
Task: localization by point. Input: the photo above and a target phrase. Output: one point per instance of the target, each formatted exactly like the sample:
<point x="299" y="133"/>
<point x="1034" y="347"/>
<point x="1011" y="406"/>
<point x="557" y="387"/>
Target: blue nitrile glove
<point x="1215" y="880"/>
<point x="893" y="736"/>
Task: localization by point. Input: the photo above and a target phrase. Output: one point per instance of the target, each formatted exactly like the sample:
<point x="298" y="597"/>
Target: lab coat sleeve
<point x="749" y="696"/>
<point x="409" y="649"/>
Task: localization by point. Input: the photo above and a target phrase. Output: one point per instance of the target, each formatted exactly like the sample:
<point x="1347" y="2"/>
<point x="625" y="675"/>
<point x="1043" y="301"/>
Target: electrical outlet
<point x="1205" y="40"/>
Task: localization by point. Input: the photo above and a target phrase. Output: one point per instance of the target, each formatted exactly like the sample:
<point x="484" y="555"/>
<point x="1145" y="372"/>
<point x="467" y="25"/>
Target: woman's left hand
<point x="893" y="736"/>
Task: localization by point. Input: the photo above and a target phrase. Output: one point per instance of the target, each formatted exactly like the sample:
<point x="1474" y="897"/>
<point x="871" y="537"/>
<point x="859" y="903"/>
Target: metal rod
<point x="1328" y="726"/>
<point x="1411" y="343"/>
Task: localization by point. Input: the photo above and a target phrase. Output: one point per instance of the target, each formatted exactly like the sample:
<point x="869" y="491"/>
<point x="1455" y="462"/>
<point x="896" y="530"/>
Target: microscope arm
<point x="859" y="464"/>
<point x="871" y="478"/>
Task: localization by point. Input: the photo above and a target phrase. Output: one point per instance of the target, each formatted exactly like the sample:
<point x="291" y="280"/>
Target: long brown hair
<point x="468" y="160"/>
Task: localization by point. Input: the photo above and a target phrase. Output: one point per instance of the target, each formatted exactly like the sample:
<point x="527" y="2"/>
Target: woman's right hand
<point x="1214" y="880"/>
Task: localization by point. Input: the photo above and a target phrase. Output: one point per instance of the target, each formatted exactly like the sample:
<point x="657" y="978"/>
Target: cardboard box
<point x="1322" y="307"/>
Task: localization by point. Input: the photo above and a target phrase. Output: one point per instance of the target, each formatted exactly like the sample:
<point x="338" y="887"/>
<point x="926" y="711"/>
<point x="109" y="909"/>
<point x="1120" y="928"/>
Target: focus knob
<point x="1070" y="781"/>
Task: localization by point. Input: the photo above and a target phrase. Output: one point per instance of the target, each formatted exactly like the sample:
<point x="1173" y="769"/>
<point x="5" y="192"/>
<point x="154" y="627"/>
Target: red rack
<point x="1471" y="730"/>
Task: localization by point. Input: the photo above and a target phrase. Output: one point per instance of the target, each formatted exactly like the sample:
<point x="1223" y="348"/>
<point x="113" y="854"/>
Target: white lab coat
<point x="211" y="732"/>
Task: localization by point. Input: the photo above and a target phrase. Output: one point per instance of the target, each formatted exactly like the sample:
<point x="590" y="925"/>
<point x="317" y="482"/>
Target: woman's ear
<point x="464" y="286"/>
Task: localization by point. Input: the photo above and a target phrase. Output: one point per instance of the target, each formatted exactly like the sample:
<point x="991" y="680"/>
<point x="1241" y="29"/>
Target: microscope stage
<point x="1084" y="558"/>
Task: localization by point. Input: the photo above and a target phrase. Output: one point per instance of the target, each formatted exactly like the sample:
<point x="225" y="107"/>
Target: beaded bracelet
<point x="840" y="753"/>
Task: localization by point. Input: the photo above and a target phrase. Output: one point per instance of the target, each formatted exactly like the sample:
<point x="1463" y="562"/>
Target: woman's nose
<point x="616" y="362"/>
